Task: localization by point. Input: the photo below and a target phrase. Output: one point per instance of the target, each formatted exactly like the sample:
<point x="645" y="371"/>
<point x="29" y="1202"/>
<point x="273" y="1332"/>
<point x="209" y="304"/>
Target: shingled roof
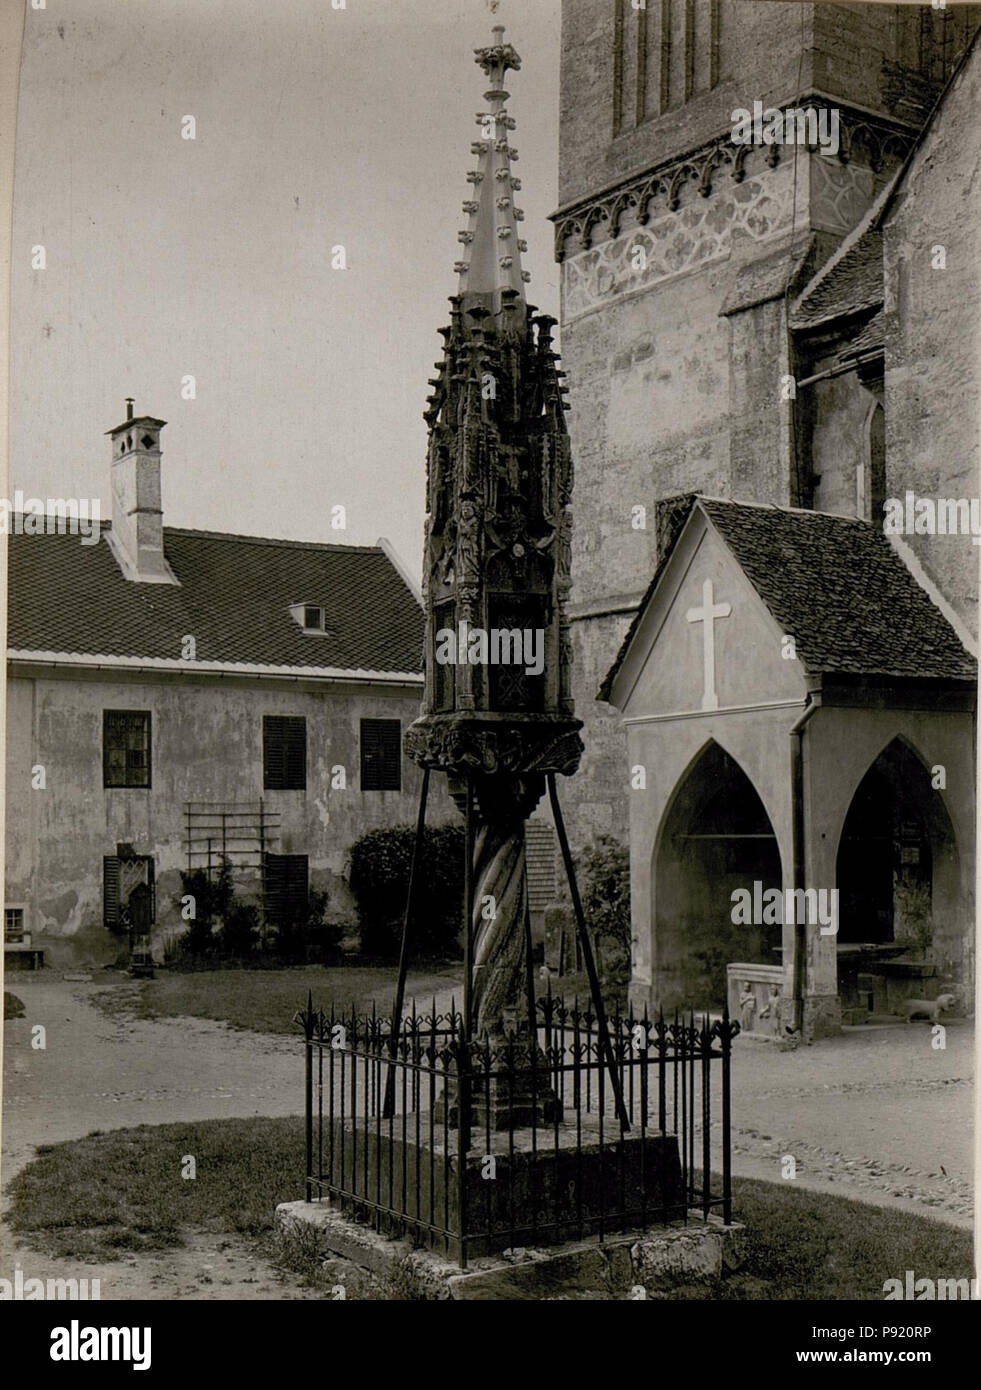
<point x="233" y="598"/>
<point x="850" y="282"/>
<point x="838" y="586"/>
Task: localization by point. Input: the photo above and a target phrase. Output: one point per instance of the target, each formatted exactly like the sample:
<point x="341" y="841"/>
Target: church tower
<point x="681" y="251"/>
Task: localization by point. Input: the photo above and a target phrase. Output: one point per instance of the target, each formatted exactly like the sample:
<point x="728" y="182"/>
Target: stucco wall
<point x="206" y="746"/>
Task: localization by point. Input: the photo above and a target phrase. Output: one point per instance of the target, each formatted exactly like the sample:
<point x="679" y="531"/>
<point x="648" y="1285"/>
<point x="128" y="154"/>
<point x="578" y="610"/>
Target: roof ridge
<point x="776" y="507"/>
<point x="281" y="541"/>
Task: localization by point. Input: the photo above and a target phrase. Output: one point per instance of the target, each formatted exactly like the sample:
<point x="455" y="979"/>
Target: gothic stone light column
<point x="497" y="558"/>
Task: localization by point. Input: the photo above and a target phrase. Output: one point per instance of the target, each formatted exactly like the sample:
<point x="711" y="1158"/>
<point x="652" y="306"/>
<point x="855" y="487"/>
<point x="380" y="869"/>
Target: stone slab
<point x="627" y="1263"/>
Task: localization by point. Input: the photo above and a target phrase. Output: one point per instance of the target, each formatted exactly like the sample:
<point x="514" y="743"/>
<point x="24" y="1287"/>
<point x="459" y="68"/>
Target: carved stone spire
<point x="491" y="259"/>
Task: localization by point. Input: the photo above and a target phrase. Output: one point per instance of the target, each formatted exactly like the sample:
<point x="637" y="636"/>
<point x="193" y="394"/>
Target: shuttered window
<point x="284" y="752"/>
<point x="381" y="755"/>
<point x="286" y="888"/>
<point x="125" y="748"/>
<point x="110" y="892"/>
<point x="121" y="874"/>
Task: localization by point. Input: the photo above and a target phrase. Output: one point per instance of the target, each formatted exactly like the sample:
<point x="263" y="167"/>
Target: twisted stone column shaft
<point x="499" y="924"/>
<point x="500" y="907"/>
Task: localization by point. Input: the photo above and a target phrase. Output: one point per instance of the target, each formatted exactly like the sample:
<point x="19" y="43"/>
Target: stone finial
<point x="491" y="217"/>
<point x="498" y="56"/>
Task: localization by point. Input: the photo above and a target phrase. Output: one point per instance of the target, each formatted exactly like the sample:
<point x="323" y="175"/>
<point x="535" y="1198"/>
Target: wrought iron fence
<point x="469" y="1147"/>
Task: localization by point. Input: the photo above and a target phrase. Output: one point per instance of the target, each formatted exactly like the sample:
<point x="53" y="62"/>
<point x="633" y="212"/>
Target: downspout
<point x="799" y="857"/>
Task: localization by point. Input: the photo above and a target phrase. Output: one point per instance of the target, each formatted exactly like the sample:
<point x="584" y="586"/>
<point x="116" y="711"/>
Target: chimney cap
<point x="130" y="423"/>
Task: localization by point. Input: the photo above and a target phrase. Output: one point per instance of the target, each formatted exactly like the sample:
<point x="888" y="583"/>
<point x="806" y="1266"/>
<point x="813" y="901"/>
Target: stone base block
<point x="634" y="1264"/>
<point x="510" y="1101"/>
<point x="411" y="1184"/>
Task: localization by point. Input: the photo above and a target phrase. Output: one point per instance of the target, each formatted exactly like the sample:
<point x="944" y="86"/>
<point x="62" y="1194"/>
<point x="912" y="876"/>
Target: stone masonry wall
<point x="933" y="407"/>
<point x="759" y="47"/>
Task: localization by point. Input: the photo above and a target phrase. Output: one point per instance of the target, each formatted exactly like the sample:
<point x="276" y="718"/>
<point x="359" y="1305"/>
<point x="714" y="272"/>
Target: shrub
<point x="213" y="895"/>
<point x="379" y="879"/>
<point x="12" y="1006"/>
<point x="603" y="871"/>
<point x="238" y="935"/>
<point x="305" y="935"/>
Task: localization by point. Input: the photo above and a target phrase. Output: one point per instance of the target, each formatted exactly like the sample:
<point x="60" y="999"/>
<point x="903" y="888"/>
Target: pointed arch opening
<point x="716" y="837"/>
<point x="897" y="864"/>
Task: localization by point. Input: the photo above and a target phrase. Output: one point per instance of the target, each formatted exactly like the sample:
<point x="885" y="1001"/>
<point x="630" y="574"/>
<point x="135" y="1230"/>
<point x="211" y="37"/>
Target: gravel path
<point x="876" y="1114"/>
<point x="101" y="1071"/>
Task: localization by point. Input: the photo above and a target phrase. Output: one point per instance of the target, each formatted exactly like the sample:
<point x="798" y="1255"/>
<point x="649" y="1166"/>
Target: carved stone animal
<point x="927" y="1008"/>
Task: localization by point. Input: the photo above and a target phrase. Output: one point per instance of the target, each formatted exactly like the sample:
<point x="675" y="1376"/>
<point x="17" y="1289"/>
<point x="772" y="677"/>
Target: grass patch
<point x="264" y="1001"/>
<point x="123" y="1191"/>
<point x="806" y="1245"/>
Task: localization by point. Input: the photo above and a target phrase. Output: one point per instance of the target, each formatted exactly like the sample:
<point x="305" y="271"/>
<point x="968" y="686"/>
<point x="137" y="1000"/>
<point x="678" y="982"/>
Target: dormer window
<point x="311" y="617"/>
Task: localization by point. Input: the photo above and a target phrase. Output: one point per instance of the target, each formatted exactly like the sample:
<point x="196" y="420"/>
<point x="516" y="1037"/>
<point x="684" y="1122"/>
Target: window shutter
<point x="286" y="887"/>
<point x="110" y="892"/>
<point x="381" y="755"/>
<point x="295" y="756"/>
<point x="284" y="752"/>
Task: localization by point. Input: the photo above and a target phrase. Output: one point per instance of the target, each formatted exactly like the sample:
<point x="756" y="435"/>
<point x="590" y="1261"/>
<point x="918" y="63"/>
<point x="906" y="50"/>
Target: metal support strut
<point x="587" y="953"/>
<point x="388" y="1109"/>
<point x="606" y="1044"/>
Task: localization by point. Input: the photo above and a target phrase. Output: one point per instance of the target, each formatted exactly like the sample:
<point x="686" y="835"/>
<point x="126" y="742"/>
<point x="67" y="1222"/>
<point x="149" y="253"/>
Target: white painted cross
<point x="707" y="615"/>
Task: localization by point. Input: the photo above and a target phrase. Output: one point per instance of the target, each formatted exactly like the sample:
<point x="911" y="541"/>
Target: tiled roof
<point x="838" y="586"/>
<point x="233" y="598"/>
<point x="849" y="283"/>
<point x="870" y="337"/>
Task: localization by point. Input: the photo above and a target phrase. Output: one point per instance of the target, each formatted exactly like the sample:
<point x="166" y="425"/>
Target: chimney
<point x="136" y="537"/>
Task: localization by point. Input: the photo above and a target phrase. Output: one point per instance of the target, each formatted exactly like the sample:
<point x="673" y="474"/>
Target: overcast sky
<point x="211" y="257"/>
